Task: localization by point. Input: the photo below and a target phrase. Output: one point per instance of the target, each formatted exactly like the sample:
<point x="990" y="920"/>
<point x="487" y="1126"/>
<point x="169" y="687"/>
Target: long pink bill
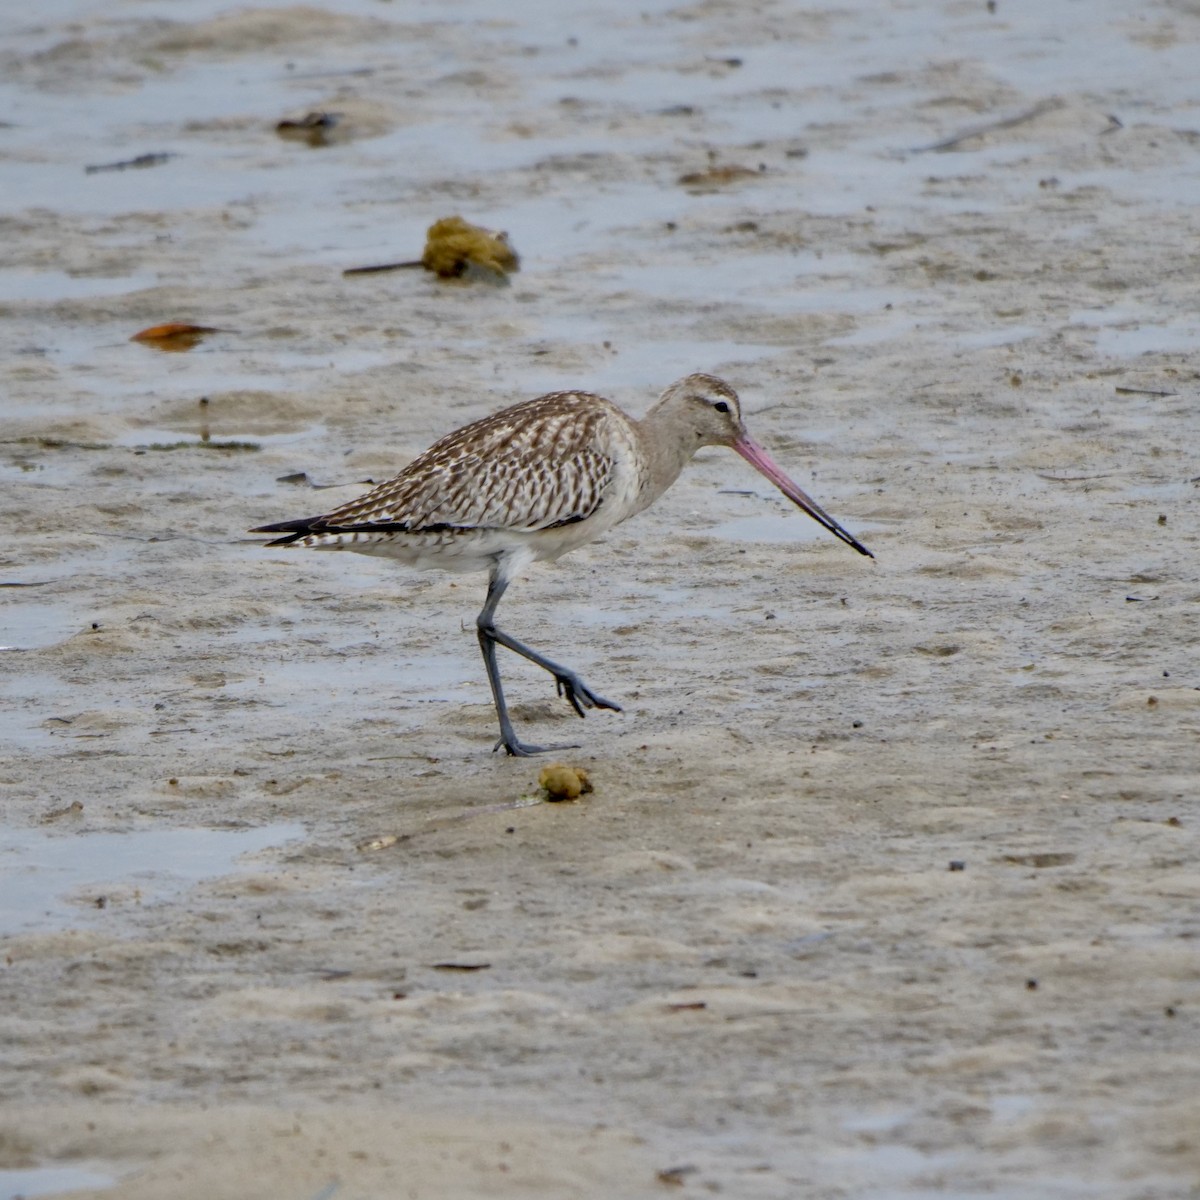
<point x="762" y="462"/>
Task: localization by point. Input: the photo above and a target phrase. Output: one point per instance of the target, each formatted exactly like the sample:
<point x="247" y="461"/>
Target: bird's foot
<point x="518" y="749"/>
<point x="579" y="695"/>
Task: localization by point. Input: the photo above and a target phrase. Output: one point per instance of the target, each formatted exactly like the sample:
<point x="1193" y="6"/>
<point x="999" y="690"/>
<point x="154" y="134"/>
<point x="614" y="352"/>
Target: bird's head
<point x="709" y="409"/>
<point x="706" y="410"/>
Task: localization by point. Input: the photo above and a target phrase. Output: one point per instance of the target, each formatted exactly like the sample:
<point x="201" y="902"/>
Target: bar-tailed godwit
<point x="530" y="483"/>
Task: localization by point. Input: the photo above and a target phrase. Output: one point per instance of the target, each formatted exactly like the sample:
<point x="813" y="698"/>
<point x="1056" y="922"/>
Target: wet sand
<point x="888" y="884"/>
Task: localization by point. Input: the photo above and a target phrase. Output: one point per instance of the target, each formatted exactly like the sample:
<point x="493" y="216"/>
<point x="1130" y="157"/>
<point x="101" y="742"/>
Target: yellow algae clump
<point x="453" y="245"/>
<point x="456" y="249"/>
<point x="561" y="782"/>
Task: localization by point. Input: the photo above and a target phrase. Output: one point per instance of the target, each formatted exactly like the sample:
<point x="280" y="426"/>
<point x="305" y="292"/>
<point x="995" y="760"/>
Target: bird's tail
<point x="295" y="530"/>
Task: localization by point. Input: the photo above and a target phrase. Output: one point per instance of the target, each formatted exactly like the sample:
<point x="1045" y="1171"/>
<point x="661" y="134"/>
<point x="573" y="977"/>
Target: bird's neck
<point x="664" y="452"/>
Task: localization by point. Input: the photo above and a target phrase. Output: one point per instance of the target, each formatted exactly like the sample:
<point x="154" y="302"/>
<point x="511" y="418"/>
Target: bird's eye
<point x="721" y="406"/>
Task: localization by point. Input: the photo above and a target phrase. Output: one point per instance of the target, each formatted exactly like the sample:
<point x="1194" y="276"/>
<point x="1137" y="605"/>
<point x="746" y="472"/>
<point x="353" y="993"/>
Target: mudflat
<point x="888" y="884"/>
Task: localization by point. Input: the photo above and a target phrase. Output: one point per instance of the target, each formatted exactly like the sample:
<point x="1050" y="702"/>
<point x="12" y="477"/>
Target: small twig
<point x="349" y="72"/>
<point x="398" y="266"/>
<point x="1073" y="478"/>
<point x="142" y="161"/>
<point x="1043" y="106"/>
<point x="303" y="477"/>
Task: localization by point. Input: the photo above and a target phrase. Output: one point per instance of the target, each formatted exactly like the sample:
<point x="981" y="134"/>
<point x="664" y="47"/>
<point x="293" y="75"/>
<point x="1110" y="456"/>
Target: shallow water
<point x="59" y="880"/>
<point x="49" y="1181"/>
<point x="33" y="621"/>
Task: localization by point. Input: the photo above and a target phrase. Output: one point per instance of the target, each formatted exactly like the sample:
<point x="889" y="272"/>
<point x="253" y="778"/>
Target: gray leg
<point x="578" y="694"/>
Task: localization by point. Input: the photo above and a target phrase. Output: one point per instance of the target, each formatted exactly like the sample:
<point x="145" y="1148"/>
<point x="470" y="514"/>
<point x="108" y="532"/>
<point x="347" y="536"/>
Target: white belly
<point x="468" y="550"/>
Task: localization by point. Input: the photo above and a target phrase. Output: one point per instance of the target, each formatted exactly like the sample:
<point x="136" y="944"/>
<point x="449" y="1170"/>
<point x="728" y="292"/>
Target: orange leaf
<point x="173" y="336"/>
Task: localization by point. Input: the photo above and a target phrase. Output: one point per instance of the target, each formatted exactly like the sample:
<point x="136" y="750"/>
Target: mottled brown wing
<point x="533" y="466"/>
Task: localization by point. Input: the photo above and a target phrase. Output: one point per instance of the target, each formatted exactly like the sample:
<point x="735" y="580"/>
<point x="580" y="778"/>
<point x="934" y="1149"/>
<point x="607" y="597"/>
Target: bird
<point x="531" y="483"/>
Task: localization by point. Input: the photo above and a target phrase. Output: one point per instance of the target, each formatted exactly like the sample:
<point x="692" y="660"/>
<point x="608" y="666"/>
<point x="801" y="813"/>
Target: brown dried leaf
<point x="174" y="336"/>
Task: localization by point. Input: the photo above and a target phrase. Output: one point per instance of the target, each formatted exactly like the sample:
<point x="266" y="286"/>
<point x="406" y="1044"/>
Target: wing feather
<point x="537" y="465"/>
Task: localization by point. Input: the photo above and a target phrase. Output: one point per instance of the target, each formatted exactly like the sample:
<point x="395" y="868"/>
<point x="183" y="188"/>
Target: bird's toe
<point x="518" y="749"/>
<point x="580" y="696"/>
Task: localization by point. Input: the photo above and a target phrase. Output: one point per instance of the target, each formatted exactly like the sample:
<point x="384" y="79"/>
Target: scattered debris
<point x="1073" y="478"/>
<point x="304" y="479"/>
<point x="74" y="809"/>
<point x="175" y="337"/>
<point x="202" y="443"/>
<point x="716" y="176"/>
<point x="561" y="782"/>
<point x="674" y="1176"/>
<point x="1046" y="859"/>
<point x="452" y="244"/>
<point x="313" y="128"/>
<point x="978" y="131"/>
<point x="383" y="842"/>
<point x="130" y="164"/>
<point x="456" y="249"/>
